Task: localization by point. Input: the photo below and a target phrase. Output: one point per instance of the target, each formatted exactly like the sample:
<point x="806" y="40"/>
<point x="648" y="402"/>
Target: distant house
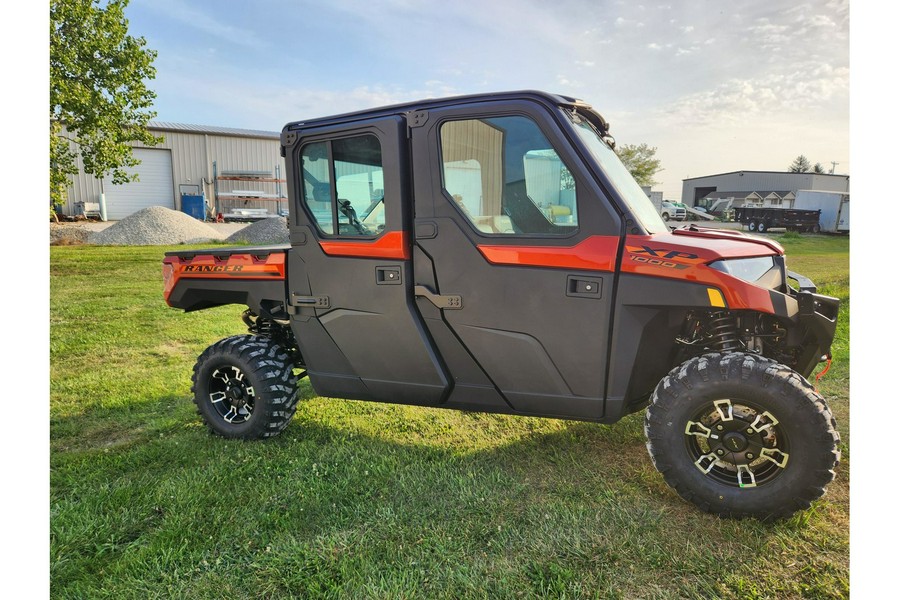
<point x="757" y="188"/>
<point x="759" y="198"/>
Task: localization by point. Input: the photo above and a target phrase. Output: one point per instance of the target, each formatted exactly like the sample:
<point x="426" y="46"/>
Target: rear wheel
<point x="752" y="226"/>
<point x="741" y="435"/>
<point x="244" y="387"/>
<point x="762" y="227"/>
<point x="816" y="228"/>
<point x="665" y="216"/>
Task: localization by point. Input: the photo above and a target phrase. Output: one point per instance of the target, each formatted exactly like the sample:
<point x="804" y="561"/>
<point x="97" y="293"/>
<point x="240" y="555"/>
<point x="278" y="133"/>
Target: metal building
<point x="763" y="188"/>
<point x="231" y="168"/>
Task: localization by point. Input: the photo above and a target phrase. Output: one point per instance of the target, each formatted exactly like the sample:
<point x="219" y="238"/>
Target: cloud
<point x="206" y="22"/>
<point x="799" y="91"/>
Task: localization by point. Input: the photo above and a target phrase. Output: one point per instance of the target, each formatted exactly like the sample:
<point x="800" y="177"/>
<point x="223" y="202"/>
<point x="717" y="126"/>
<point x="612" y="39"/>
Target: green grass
<point x="365" y="500"/>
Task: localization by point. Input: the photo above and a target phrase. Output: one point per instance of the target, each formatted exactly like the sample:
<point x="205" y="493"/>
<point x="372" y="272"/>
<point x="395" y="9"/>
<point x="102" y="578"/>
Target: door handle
<point x="581" y="287"/>
<point x="387" y="276"/>
<point x="450" y="302"/>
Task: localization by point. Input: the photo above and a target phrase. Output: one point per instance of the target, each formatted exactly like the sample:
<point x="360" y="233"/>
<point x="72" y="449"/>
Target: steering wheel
<point x="348" y="211"/>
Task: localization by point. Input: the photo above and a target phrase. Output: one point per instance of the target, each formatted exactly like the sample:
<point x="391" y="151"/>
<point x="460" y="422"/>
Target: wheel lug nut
<point x="719" y="427"/>
<point x="720" y="452"/>
<point x="750" y="455"/>
<point x="750" y="430"/>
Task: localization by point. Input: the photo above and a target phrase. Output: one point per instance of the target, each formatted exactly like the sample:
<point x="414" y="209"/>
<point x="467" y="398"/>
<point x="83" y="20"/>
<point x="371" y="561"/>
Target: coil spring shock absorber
<point x="724" y="332"/>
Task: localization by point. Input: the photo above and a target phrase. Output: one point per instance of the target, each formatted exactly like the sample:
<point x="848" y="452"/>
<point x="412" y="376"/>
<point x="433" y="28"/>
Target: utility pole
<point x="833" y="165"/>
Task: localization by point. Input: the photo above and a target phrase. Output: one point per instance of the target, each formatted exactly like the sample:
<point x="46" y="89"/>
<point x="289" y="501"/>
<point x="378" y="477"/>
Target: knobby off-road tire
<point x="740" y="435"/>
<point x="244" y="387"/>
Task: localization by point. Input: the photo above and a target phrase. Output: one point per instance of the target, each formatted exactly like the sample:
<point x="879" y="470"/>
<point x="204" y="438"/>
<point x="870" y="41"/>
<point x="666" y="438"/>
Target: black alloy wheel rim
<point x="231" y="395"/>
<point x="737" y="443"/>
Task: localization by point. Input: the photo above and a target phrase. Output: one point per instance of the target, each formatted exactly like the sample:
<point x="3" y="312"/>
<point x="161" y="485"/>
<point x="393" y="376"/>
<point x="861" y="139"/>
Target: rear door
<point x="350" y="270"/>
<point x="515" y="252"/>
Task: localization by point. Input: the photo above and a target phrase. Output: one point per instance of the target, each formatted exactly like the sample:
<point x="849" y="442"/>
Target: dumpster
<point x="194" y="206"/>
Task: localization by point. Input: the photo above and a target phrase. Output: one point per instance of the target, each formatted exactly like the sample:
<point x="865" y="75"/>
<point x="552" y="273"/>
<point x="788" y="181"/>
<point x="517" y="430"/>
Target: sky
<point x="715" y="86"/>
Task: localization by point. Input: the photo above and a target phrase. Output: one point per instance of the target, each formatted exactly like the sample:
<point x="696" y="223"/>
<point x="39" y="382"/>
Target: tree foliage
<point x="99" y="99"/>
<point x="818" y="168"/>
<point x="800" y="165"/>
<point x="641" y="162"/>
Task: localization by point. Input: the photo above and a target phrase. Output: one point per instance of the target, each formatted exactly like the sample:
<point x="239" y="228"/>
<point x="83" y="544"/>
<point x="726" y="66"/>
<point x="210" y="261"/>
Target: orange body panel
<point x="392" y="244"/>
<point x="661" y="255"/>
<point x="234" y="266"/>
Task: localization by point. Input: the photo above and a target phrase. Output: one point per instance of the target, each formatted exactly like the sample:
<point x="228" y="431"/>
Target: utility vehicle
<point x="491" y="253"/>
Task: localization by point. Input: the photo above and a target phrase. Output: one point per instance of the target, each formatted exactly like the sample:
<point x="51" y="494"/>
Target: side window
<point x="343" y="183"/>
<point x="506" y="178"/>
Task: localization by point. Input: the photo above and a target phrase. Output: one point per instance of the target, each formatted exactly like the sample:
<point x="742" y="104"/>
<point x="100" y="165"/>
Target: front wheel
<point x="752" y="226"/>
<point x="740" y="435"/>
<point x="244" y="387"/>
<point x="762" y="227"/>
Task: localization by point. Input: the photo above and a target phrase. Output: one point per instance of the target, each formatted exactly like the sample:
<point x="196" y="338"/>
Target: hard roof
<point x="430" y="103"/>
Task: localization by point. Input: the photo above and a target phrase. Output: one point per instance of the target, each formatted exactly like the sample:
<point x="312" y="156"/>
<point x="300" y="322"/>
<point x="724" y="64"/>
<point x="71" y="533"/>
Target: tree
<point x="641" y="162"/>
<point x="818" y="168"/>
<point x="800" y="165"/>
<point x="99" y="99"/>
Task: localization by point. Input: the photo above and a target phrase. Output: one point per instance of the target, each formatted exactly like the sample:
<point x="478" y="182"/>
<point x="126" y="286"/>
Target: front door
<point x="350" y="268"/>
<point x="515" y="252"/>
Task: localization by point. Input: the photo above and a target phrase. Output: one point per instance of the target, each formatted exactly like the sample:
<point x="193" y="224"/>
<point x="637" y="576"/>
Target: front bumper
<point x="817" y="314"/>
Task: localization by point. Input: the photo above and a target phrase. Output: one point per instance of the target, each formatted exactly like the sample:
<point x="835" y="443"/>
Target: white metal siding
<point x="154" y="187"/>
<point x="191" y="159"/>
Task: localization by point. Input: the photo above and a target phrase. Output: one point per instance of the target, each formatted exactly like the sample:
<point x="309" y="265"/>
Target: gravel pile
<point x="155" y="226"/>
<point x="272" y="230"/>
<point x="67" y="234"/>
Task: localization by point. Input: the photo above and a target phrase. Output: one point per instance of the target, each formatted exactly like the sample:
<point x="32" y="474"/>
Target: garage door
<point x="154" y="188"/>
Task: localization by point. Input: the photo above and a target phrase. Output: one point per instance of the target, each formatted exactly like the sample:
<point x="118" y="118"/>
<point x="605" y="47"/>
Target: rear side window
<point x="506" y="178"/>
<point x="343" y="186"/>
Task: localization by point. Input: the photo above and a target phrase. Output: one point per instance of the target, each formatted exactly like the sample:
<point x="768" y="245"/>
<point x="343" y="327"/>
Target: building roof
<point x="769" y="172"/>
<point x="213" y="130"/>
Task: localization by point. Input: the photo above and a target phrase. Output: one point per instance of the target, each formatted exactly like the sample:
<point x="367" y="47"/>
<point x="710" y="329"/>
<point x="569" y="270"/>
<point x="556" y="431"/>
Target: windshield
<point x="628" y="189"/>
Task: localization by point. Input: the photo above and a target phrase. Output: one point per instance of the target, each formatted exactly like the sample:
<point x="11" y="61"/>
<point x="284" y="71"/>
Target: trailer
<point x="763" y="219"/>
<point x="834" y="207"/>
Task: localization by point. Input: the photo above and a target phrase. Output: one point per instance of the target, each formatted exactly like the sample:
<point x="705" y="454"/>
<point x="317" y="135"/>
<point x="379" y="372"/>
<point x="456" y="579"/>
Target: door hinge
<point x="416" y="118"/>
<point x="313" y="301"/>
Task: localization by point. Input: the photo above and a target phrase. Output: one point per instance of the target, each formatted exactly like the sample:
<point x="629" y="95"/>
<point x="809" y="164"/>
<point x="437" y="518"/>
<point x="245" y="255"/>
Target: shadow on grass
<point x="341" y="502"/>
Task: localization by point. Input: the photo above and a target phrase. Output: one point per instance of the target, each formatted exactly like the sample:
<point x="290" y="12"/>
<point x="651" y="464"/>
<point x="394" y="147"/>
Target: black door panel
<point x="362" y="337"/>
<point x="538" y="333"/>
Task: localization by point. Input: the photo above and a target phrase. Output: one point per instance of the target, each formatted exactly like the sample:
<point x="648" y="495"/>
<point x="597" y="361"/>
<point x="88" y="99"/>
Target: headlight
<point x="762" y="271"/>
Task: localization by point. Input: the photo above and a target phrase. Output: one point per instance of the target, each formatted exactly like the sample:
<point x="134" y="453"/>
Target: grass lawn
<point x="364" y="500"/>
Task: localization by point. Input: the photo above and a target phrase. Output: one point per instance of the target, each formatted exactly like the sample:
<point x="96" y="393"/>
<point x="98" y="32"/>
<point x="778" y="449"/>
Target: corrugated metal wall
<point x="193" y="155"/>
<point x="764" y="181"/>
